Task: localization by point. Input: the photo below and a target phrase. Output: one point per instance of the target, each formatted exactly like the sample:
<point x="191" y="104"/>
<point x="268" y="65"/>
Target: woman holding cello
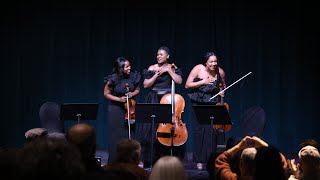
<point x="204" y="81"/>
<point x="158" y="79"/>
<point x="121" y="86"/>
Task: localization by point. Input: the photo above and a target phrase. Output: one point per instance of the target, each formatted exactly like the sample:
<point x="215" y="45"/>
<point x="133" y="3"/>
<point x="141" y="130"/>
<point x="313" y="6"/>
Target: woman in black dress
<point x="203" y="83"/>
<point x="158" y="79"/>
<point x="116" y="90"/>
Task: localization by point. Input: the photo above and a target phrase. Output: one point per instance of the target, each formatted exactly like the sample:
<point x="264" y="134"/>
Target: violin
<point x="130" y="115"/>
<point x="226" y="127"/>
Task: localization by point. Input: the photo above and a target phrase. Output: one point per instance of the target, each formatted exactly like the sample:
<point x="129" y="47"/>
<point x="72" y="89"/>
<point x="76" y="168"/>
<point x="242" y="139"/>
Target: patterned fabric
<point x="204" y="93"/>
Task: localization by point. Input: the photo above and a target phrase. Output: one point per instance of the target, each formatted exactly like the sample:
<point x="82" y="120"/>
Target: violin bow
<point x="229" y="86"/>
<point x="128" y="109"/>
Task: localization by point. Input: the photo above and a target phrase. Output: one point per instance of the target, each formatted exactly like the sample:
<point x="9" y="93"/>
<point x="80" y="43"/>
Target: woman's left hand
<point x="222" y="94"/>
<point x="130" y="95"/>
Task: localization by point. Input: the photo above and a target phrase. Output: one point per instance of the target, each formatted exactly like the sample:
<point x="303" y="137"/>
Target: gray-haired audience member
<point x="309" y="166"/>
<point x="168" y="168"/>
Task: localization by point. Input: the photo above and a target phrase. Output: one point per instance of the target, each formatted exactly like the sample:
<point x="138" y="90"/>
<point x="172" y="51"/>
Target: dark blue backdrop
<point x="61" y="50"/>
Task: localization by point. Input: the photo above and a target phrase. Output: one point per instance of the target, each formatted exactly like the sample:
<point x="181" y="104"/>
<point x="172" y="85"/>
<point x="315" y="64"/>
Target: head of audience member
<point x="128" y="151"/>
<point x="83" y="136"/>
<point x="49" y="158"/>
<point x="269" y="164"/>
<point x="247" y="161"/>
<point x="309" y="142"/>
<point x="169" y="168"/>
<point x="309" y="160"/>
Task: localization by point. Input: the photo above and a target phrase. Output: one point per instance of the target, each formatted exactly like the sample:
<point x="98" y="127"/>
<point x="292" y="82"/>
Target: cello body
<point x="175" y="133"/>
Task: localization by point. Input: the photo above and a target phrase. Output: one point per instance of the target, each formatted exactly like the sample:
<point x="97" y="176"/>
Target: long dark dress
<point x="202" y="133"/>
<point x="160" y="87"/>
<point x="117" y="126"/>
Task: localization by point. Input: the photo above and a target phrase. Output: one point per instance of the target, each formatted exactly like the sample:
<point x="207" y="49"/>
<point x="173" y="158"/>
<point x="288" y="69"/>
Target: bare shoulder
<point x="221" y="71"/>
<point x="198" y="67"/>
<point x="152" y="67"/>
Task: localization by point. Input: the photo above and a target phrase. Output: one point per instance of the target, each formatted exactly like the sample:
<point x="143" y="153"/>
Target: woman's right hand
<point x="207" y="81"/>
<point x="158" y="72"/>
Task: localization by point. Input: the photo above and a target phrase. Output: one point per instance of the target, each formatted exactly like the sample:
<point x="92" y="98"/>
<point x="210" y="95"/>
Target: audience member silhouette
<point x="83" y="136"/>
<point x="269" y="164"/>
<point x="309" y="142"/>
<point x="168" y="168"/>
<point x="247" y="149"/>
<point x="49" y="158"/>
<point x="234" y="160"/>
<point x="127" y="160"/>
<point x="309" y="165"/>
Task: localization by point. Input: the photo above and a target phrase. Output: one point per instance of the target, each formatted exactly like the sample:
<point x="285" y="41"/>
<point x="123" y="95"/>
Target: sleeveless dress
<point x="117" y="127"/>
<point x="160" y="87"/>
<point x="202" y="133"/>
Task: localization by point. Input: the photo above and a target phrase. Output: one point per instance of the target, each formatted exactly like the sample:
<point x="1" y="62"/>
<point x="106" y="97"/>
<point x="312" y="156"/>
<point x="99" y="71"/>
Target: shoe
<point x="199" y="166"/>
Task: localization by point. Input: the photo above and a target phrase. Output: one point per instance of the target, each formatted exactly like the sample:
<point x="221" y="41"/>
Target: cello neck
<point x="173" y="100"/>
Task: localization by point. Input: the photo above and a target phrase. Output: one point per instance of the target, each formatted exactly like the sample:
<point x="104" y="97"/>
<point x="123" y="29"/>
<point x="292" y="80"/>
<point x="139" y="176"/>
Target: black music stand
<point x="158" y="113"/>
<point x="212" y="114"/>
<point x="78" y="111"/>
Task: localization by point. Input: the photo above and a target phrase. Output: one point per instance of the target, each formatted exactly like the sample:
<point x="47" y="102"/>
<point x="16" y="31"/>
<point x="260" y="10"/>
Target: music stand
<point x="212" y="114"/>
<point x="159" y="113"/>
<point x="78" y="111"/>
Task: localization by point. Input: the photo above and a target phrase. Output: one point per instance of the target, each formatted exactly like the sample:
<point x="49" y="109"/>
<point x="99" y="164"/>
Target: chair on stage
<point x="49" y="115"/>
<point x="253" y="122"/>
<point x="51" y="124"/>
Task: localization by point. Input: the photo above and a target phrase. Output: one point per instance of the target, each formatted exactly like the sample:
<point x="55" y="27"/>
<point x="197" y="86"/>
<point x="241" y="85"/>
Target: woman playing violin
<point x="203" y="83"/>
<point x="120" y="86"/>
<point x="158" y="79"/>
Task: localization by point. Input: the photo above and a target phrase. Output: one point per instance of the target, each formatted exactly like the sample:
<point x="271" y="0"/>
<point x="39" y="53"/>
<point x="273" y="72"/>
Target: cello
<point x="175" y="133"/>
<point x="225" y="127"/>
